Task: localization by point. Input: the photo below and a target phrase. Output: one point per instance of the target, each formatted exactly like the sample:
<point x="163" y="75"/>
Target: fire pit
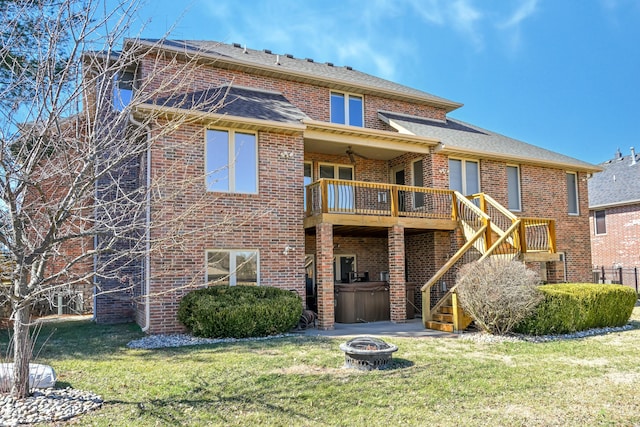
<point x="367" y="353"/>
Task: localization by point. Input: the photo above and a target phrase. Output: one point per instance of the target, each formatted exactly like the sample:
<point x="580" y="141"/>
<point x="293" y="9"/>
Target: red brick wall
<point x="268" y="221"/>
<point x="620" y="245"/>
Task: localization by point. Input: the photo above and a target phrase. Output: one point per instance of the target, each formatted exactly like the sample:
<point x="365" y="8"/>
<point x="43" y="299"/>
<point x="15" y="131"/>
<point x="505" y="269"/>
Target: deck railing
<point x="369" y="198"/>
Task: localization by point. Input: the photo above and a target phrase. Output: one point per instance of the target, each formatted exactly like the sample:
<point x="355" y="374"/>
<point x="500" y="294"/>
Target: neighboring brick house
<point x="349" y="177"/>
<point x="614" y="206"/>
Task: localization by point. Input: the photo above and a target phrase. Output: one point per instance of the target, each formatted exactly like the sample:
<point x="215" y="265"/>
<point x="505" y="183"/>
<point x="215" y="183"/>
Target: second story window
<point x="572" y="193"/>
<point x="231" y="161"/>
<point x="347" y="109"/>
<point x="122" y="89"/>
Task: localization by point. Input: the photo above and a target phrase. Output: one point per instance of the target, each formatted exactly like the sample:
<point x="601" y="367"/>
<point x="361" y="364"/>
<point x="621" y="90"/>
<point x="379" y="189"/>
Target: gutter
<point x="147" y="266"/>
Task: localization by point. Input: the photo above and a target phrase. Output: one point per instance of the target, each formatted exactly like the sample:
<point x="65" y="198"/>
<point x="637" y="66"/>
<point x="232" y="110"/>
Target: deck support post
<point x="397" y="285"/>
<point x="324" y="267"/>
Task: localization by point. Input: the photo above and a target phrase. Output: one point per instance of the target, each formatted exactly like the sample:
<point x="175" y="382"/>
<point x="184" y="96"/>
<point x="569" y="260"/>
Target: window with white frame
<point x="231" y="161"/>
<point x="464" y="176"/>
<point x="572" y="193"/>
<point x="340" y="197"/>
<point x="347" y="109"/>
<point x="600" y="222"/>
<point x="122" y="89"/>
<point x="513" y="188"/>
<point x="233" y="267"/>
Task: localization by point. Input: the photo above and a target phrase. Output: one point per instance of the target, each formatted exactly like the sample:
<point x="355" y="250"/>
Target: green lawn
<point x="300" y="381"/>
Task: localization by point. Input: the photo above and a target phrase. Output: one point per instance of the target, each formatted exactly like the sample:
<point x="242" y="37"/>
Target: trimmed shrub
<point x="573" y="307"/>
<point x="239" y="311"/>
<point x="498" y="294"/>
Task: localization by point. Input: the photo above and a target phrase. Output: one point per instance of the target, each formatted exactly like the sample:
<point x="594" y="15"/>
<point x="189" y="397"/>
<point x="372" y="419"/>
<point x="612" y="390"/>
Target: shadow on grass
<point x="214" y="403"/>
<point x="79" y="339"/>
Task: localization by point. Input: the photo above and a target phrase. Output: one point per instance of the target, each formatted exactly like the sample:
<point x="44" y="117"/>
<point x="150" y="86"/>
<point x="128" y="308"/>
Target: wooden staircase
<point x="507" y="237"/>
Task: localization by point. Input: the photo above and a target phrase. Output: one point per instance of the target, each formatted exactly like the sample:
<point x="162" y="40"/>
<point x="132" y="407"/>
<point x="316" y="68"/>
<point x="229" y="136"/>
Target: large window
<point x="232" y="267"/>
<point x="600" y="221"/>
<point x="572" y="193"/>
<point x="232" y="161"/>
<point x="122" y="89"/>
<point x="464" y="176"/>
<point x="347" y="109"/>
<point x="513" y="187"/>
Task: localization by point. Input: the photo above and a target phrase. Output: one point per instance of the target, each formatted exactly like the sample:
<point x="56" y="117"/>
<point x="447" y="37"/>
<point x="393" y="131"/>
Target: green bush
<point x="576" y="307"/>
<point x="239" y="311"/>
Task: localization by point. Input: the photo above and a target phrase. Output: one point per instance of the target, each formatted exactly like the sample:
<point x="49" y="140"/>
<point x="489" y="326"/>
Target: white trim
<point x="463" y="171"/>
<point x="575" y="181"/>
<point x="595" y="222"/>
<point x="338" y="278"/>
<point x="519" y="180"/>
<point x="231" y="166"/>
<point x="347" y="114"/>
<point x="232" y="263"/>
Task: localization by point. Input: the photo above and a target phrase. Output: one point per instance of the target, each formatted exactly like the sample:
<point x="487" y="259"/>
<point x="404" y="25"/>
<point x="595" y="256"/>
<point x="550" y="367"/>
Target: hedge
<point x="239" y="311"/>
<point x="573" y="307"/>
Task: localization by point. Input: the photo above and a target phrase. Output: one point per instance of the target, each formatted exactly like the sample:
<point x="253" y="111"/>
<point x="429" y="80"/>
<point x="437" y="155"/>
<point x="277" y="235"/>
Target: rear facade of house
<point x="359" y="194"/>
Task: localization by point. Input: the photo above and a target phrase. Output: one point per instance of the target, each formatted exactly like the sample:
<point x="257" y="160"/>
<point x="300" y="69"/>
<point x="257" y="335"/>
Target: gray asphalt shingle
<point x="456" y="134"/>
<point x="618" y="183"/>
<point x="287" y="62"/>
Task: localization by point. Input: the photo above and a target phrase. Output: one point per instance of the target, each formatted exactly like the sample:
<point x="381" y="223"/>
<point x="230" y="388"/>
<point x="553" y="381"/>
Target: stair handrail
<point x="426" y="288"/>
<point x="514" y="229"/>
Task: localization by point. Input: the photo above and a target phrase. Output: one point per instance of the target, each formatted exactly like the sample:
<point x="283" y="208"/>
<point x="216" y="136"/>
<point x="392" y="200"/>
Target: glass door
<point x="340" y="197"/>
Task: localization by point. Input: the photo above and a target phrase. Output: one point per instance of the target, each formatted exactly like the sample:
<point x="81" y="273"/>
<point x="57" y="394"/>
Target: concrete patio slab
<point x="410" y="329"/>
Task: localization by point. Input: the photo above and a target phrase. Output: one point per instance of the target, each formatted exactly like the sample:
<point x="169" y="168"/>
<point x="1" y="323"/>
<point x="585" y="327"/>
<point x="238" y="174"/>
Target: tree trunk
<point x="22" y="349"/>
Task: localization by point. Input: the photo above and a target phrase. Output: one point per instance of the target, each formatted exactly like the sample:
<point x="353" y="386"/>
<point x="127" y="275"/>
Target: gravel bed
<point x="483" y="337"/>
<point x="181" y="340"/>
<point x="47" y="405"/>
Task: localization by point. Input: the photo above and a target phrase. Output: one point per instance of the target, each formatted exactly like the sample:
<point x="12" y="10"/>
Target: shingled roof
<point x="339" y="77"/>
<point x="458" y="137"/>
<point x="237" y="101"/>
<point x="617" y="184"/>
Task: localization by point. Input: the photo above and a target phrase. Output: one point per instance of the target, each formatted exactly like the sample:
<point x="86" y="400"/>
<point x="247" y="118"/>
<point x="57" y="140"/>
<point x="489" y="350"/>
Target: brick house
<point x="614" y="207"/>
<point x="346" y="188"/>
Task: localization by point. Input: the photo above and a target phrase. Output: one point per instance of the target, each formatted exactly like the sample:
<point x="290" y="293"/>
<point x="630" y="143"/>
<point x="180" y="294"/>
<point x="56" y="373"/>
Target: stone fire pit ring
<point x="367" y="353"/>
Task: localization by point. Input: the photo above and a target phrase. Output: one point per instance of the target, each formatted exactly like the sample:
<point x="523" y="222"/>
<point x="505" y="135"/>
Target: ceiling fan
<point x="352" y="155"/>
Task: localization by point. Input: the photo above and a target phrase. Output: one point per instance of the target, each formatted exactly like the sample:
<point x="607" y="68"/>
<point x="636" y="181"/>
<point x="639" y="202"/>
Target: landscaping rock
<point x="40" y="376"/>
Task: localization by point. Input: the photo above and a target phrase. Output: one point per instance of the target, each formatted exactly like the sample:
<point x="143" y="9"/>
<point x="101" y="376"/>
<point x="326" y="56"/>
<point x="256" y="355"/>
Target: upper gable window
<point x="231" y="161"/>
<point x="122" y="89"/>
<point x="347" y="109"/>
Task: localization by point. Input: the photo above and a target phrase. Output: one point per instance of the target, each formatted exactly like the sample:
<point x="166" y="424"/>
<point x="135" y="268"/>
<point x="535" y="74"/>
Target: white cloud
<point x="526" y="9"/>
<point x="465" y="19"/>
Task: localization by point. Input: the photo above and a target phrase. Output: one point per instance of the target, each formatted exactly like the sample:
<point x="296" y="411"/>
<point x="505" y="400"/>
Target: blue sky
<point x="560" y="74"/>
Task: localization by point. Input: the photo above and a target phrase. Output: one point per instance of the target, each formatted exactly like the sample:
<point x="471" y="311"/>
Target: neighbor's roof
<point x="617" y="184"/>
<point x="337" y="77"/>
<point x="237" y="101"/>
<point x="458" y="137"/>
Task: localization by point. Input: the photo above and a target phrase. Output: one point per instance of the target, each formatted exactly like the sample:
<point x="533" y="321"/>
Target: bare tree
<point x="74" y="188"/>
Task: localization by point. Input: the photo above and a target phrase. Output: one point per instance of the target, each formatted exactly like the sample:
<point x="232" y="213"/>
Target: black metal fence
<point x="618" y="275"/>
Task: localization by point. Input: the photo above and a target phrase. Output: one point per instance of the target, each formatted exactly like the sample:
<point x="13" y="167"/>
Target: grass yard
<point x="299" y="381"/>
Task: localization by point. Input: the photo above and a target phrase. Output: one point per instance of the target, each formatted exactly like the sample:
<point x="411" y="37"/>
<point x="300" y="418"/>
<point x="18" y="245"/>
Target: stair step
<point x="446" y="318"/>
<point x="440" y="326"/>
<point x="446" y="309"/>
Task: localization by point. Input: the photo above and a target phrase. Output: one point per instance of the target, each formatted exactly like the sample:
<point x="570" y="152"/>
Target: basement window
<point x="233" y="267"/>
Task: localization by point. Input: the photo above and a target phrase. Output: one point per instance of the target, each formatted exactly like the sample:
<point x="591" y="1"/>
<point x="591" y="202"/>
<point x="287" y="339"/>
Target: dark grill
<point x="367" y="353"/>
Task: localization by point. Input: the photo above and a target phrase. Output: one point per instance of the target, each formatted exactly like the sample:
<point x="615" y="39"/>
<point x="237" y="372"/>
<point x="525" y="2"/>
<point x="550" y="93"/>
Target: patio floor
<point x="411" y="328"/>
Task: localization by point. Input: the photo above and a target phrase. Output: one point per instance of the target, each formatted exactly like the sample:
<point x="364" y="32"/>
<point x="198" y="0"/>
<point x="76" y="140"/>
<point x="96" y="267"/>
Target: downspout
<point x="147" y="267"/>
